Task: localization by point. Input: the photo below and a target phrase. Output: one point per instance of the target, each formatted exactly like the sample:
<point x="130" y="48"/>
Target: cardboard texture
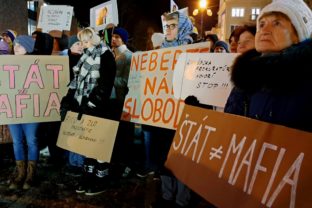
<point x="91" y="136"/>
<point x="31" y="88"/>
<point x="233" y="161"/>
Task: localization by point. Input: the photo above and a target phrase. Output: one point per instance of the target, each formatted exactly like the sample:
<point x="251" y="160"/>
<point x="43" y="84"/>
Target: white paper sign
<point x="104" y="14"/>
<point x="55" y="17"/>
<point x="204" y="75"/>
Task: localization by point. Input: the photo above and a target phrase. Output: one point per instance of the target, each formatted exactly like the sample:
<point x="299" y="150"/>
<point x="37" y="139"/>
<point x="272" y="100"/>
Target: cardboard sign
<point x="31" y="88"/>
<point x="207" y="76"/>
<point x="103" y="15"/>
<point x="91" y="136"/>
<point x="150" y="98"/>
<point x="234" y="161"/>
<point x="55" y="17"/>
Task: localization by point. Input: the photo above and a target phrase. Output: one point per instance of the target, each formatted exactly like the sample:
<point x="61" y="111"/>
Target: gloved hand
<point x="191" y="100"/>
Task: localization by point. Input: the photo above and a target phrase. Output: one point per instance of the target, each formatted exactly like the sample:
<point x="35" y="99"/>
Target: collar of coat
<point x="285" y="70"/>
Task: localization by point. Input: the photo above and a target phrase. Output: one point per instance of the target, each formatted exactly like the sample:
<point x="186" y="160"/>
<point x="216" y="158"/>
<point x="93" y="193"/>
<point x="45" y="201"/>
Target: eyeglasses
<point x="171" y="26"/>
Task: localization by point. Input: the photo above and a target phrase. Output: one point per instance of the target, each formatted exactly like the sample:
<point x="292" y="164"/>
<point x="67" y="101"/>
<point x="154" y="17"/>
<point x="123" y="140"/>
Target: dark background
<point x="140" y="17"/>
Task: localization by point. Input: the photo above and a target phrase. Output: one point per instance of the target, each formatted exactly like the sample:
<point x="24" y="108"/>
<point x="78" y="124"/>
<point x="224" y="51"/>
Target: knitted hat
<point x="4" y="47"/>
<point x="122" y="33"/>
<point x="26" y="41"/>
<point x="71" y="40"/>
<point x="222" y="44"/>
<point x="298" y="12"/>
<point x="157" y="39"/>
<point x="11" y="34"/>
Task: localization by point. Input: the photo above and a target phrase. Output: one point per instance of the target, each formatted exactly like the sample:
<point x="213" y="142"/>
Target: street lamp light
<point x="202" y="8"/>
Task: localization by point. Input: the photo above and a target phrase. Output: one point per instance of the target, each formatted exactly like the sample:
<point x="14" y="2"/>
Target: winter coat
<point x="274" y="88"/>
<point x="123" y="61"/>
<point x="99" y="96"/>
<point x="184" y="33"/>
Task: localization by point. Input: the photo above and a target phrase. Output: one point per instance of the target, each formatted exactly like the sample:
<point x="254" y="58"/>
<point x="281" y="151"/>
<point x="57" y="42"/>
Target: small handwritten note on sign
<point x="234" y="161"/>
<point x="91" y="136"/>
<point x="31" y="88"/>
<point x="55" y="17"/>
<point x="150" y="99"/>
<point x="207" y="76"/>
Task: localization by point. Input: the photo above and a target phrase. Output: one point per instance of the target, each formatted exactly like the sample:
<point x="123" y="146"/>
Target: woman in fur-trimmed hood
<point x="273" y="83"/>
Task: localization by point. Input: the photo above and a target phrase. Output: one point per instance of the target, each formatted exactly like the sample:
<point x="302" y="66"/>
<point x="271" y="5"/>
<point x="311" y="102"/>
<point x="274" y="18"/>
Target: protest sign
<point x="173" y="6"/>
<point x="55" y="17"/>
<point x="150" y="98"/>
<point x="233" y="161"/>
<point x="206" y="76"/>
<point x="91" y="136"/>
<point x="103" y="15"/>
<point x="31" y="88"/>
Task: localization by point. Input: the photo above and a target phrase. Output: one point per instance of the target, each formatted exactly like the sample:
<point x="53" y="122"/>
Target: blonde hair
<point x="88" y="34"/>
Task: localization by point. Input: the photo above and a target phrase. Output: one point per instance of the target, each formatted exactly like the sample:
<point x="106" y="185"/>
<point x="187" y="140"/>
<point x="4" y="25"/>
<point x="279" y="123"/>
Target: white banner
<point x="206" y="76"/>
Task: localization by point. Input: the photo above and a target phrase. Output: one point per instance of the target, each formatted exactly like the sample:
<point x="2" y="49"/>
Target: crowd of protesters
<point x="99" y="72"/>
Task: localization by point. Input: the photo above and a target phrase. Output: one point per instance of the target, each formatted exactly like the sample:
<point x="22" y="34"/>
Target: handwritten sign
<point x="150" y="99"/>
<point x="55" y="17"/>
<point x="207" y="76"/>
<point x="91" y="136"/>
<point x="103" y="15"/>
<point x="236" y="161"/>
<point x="31" y="88"/>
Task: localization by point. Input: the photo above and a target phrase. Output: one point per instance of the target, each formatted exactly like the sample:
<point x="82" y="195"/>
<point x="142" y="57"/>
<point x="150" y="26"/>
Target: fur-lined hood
<point x="252" y="71"/>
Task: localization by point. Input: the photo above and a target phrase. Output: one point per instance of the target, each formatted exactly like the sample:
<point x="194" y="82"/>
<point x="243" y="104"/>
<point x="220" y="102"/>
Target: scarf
<point x="185" y="29"/>
<point x="86" y="72"/>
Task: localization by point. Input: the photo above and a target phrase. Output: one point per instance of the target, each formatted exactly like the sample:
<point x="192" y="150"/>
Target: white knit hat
<point x="297" y="11"/>
<point x="157" y="39"/>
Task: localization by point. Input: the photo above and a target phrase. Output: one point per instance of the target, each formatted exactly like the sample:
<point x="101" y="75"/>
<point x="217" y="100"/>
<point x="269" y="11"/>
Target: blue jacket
<point x="276" y="88"/>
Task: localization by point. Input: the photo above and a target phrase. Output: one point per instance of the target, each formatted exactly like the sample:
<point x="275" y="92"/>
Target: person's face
<point x="219" y="49"/>
<point x="233" y="45"/>
<point x="171" y="29"/>
<point x="6" y="38"/>
<point x="275" y="33"/>
<point x="246" y="42"/>
<point x="19" y="49"/>
<point x="77" y="48"/>
<point x="116" y="41"/>
<point x="86" y="43"/>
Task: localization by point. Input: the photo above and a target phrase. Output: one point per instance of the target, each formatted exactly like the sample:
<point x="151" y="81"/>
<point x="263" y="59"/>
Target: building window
<point x="32" y="7"/>
<point x="254" y="13"/>
<point x="238" y="12"/>
<point x="233" y="27"/>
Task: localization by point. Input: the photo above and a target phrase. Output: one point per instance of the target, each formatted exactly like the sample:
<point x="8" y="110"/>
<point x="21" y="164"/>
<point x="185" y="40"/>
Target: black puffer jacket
<point x="275" y="88"/>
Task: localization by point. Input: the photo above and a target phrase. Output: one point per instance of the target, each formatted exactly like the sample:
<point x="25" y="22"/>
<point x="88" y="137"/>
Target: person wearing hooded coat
<point x="174" y="192"/>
